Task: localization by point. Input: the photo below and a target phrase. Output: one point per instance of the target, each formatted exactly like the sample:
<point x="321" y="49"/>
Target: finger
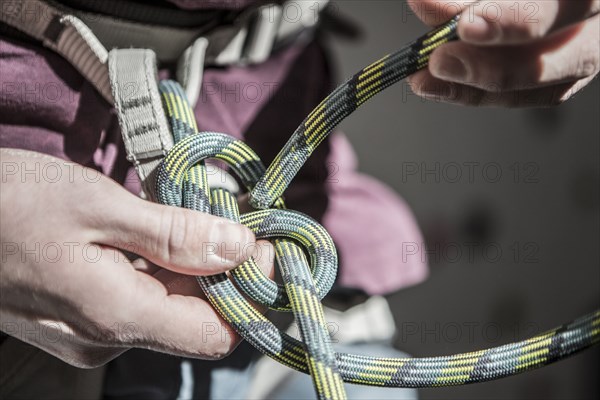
<point x="143" y="265"/>
<point x="436" y="12"/>
<point x="133" y="309"/>
<point x="181" y="240"/>
<point x="429" y="87"/>
<point x="244" y="203"/>
<point x="180" y="284"/>
<point x="565" y="56"/>
<point x="81" y="300"/>
<point x="494" y="22"/>
<point x="186" y="285"/>
<point x="181" y="324"/>
<point x="264" y="255"/>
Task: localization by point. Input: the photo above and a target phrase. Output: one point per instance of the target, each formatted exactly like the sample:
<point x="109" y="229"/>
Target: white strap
<point x="225" y="49"/>
<point x="167" y="42"/>
<point x="299" y="15"/>
<point x="129" y="78"/>
<point x="250" y="39"/>
<point x="190" y="69"/>
<point x="261" y="41"/>
<point x="220" y="179"/>
<point x="144" y="127"/>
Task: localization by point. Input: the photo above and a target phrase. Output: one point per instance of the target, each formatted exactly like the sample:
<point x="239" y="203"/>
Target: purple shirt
<point x="48" y="107"/>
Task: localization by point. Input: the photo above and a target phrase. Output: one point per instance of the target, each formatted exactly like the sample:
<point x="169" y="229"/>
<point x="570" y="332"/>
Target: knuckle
<point x="173" y="234"/>
<point x="514" y="26"/>
<point x="527" y="20"/>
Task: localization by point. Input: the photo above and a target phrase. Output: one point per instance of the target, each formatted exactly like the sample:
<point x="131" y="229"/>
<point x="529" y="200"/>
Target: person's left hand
<point x="511" y="53"/>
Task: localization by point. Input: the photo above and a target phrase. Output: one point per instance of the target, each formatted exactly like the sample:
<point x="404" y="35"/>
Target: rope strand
<point x="306" y="254"/>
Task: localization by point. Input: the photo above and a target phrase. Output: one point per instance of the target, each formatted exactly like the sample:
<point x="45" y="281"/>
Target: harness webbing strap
<point x="65" y="34"/>
<point x="249" y="39"/>
<point x="265" y="29"/>
<point x="190" y="69"/>
<point x="133" y="78"/>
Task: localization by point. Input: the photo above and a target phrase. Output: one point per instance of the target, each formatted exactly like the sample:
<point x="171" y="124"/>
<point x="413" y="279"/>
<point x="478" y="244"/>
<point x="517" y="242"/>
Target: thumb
<point x="436" y="12"/>
<point x="185" y="241"/>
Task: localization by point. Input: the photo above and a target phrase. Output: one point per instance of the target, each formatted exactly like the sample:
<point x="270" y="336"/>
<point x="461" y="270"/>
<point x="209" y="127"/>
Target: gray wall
<point x="542" y="213"/>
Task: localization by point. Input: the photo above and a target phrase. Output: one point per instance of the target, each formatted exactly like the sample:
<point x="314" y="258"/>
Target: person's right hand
<point x="67" y="285"/>
<point x="512" y="53"/>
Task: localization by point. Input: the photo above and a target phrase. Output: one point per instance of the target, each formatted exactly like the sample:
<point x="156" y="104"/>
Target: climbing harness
<point x="162" y="140"/>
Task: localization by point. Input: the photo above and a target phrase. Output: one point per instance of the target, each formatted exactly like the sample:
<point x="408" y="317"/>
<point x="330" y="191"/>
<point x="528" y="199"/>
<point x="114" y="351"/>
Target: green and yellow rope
<point x="305" y="252"/>
<point x="342" y="102"/>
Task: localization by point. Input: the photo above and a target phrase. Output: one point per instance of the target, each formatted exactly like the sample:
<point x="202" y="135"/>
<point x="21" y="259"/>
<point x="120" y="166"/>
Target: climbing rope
<point x="306" y="254"/>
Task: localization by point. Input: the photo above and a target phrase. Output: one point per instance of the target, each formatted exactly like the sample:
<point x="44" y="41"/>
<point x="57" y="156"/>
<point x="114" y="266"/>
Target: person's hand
<point x="67" y="285"/>
<point x="511" y="53"/>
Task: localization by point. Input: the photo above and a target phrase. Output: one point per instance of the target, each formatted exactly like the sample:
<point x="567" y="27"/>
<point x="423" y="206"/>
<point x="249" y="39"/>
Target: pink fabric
<point x="374" y="229"/>
<point x="231" y="98"/>
<point x="46" y="106"/>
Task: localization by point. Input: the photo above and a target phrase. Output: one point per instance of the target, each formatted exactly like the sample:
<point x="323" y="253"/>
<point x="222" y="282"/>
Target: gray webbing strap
<point x="133" y="78"/>
<point x="260" y="43"/>
<point x="248" y="40"/>
<point x="190" y="69"/>
<point x="131" y="73"/>
<point x="64" y="34"/>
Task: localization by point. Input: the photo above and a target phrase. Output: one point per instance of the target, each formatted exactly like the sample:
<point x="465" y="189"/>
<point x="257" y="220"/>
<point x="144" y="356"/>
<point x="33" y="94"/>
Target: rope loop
<point x="178" y="171"/>
<point x="182" y="182"/>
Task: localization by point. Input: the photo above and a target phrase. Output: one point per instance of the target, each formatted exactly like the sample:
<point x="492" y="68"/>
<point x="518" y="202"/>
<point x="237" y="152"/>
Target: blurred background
<point x="508" y="201"/>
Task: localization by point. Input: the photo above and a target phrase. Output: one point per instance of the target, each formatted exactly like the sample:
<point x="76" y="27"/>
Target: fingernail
<point x="264" y="255"/>
<point x="233" y="240"/>
<point x="450" y="68"/>
<point x="438" y="91"/>
<point x="477" y="29"/>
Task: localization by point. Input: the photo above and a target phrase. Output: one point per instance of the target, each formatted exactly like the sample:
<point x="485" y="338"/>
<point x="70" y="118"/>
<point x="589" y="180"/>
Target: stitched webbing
<point x="143" y="124"/>
<point x="64" y="34"/>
